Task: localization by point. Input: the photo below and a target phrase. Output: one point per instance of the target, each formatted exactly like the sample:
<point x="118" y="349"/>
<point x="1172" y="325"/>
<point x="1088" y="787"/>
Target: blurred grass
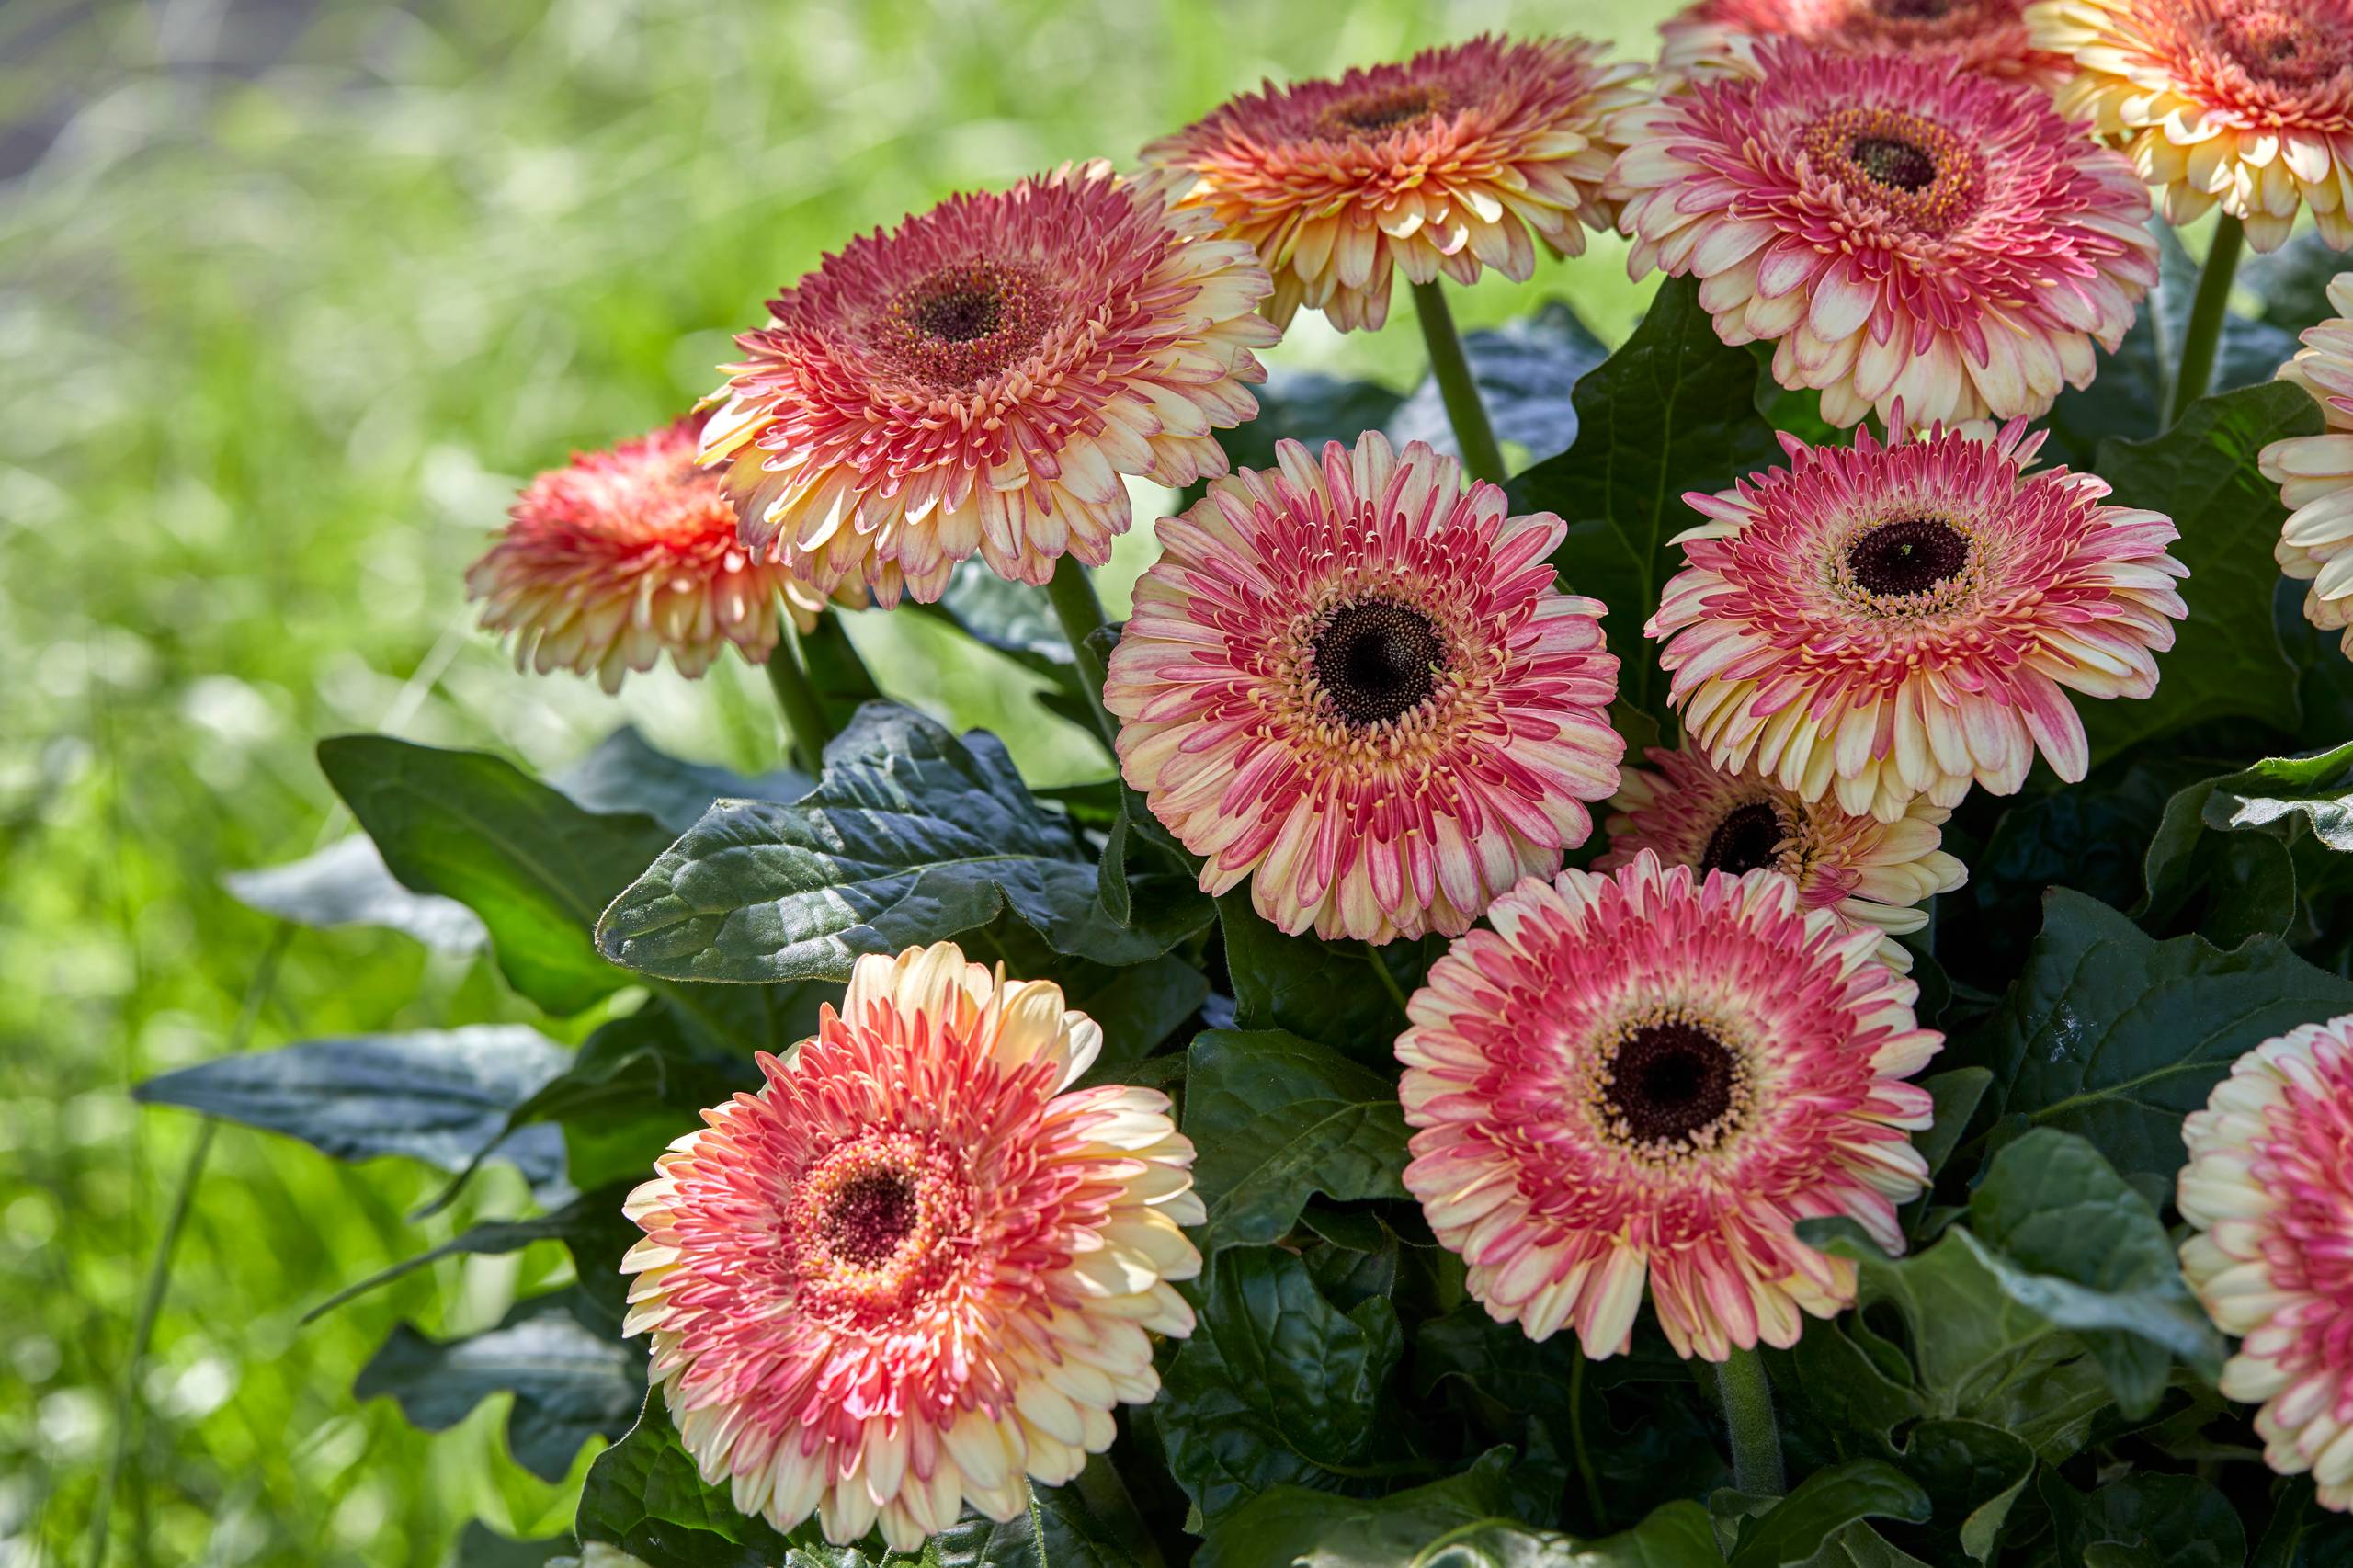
<point x="295" y="296"/>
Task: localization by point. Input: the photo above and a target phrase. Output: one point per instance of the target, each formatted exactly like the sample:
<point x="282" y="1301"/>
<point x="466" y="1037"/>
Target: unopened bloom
<point x="1352" y="681"/>
<point x="2270" y="1190"/>
<point x="2315" y="472"/>
<point x="1646" y="1076"/>
<point x="624" y="555"/>
<point x="983" y="377"/>
<point x="1889" y="621"/>
<point x="1898" y="230"/>
<point x="1461" y="158"/>
<point x="2243" y="104"/>
<point x="1870" y="873"/>
<point x="916" y="1267"/>
<point x="1987" y="37"/>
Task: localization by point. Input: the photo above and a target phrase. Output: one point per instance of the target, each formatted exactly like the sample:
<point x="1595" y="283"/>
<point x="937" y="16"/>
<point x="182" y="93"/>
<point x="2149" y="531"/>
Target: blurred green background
<point x="292" y="296"/>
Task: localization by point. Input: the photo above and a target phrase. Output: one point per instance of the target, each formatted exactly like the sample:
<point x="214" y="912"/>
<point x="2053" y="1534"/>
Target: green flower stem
<point x="1748" y="1396"/>
<point x="2193" y="373"/>
<point x="1593" y="1498"/>
<point x="804" y="715"/>
<point x="1481" y="455"/>
<point x="1081" y="613"/>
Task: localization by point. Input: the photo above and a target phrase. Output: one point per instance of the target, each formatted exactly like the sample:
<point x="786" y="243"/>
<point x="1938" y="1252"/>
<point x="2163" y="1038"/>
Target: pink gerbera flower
<point x="1893" y="621"/>
<point x="1353" y="683"/>
<point x="2270" y="1188"/>
<point x="1987" y="37"/>
<point x="1461" y="158"/>
<point x="1641" y="1076"/>
<point x="914" y="1267"/>
<point x="2315" y="472"/>
<point x="1898" y="230"/>
<point x="2243" y="104"/>
<point x="1867" y="872"/>
<point x="981" y="378"/>
<point x="627" y="554"/>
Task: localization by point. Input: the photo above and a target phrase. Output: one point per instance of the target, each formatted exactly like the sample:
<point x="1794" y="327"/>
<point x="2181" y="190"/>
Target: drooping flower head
<point x="2243" y="104"/>
<point x="2270" y="1188"/>
<point x="1986" y="37"/>
<point x="1461" y="158"/>
<point x="1870" y="873"/>
<point x="1353" y="682"/>
<point x="1898" y="230"/>
<point x="1887" y="621"/>
<point x="1642" y="1076"/>
<point x="624" y="555"/>
<point x="982" y="376"/>
<point x="2315" y="472"/>
<point x="916" y="1267"/>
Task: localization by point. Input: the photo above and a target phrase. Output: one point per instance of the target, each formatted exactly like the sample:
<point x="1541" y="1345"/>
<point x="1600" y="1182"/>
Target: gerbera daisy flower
<point x="916" y="1267"/>
<point x="1867" y="872"/>
<point x="2315" y="472"/>
<point x="1353" y="683"/>
<point x="1898" y="230"/>
<point x="1718" y="37"/>
<point x="1463" y="157"/>
<point x="2244" y="104"/>
<point x="1644" y="1075"/>
<point x="622" y="555"/>
<point x="1889" y="621"/>
<point x="981" y="378"/>
<point x="2270" y="1190"/>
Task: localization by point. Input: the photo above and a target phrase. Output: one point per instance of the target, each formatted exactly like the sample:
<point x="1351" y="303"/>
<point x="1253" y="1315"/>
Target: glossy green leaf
<point x="2147" y="1521"/>
<point x="1324" y="990"/>
<point x="626" y="773"/>
<point x="1673" y="410"/>
<point x="1525" y="371"/>
<point x="644" y="1496"/>
<point x="347" y="884"/>
<point x="1797" y="1528"/>
<point x="2303" y="1534"/>
<point x="2238" y="828"/>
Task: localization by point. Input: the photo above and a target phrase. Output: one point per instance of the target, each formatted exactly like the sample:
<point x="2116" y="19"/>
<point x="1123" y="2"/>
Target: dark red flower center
<point x="1748" y="839"/>
<point x="1893" y="161"/>
<point x="1377" y="659"/>
<point x="1376" y="114"/>
<point x="965" y="322"/>
<point x="1912" y="10"/>
<point x="1910" y="556"/>
<point x="2285" y="44"/>
<point x="871" y="1214"/>
<point x="1671" y="1082"/>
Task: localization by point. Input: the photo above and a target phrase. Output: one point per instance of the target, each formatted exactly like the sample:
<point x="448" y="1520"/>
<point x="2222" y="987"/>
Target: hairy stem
<point x="1482" y="457"/>
<point x="1748" y="1397"/>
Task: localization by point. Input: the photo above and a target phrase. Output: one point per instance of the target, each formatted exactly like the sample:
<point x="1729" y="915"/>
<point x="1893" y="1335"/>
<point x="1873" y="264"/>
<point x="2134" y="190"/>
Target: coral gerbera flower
<point x="914" y="1267"/>
<point x="2247" y="104"/>
<point x="1897" y="620"/>
<point x="2315" y="472"/>
<point x="1460" y="158"/>
<point x="982" y="376"/>
<point x="1354" y="683"/>
<point x="606" y="564"/>
<point x="1870" y="873"/>
<point x="1640" y="1075"/>
<point x="1898" y="230"/>
<point x="1987" y="37"/>
<point x="2270" y="1188"/>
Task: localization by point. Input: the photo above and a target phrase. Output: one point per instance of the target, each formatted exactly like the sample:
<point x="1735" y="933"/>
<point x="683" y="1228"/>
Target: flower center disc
<point x="1377" y="114"/>
<point x="1912" y="10"/>
<point x="871" y="1215"/>
<point x="1910" y="169"/>
<point x="1671" y="1082"/>
<point x="1378" y="659"/>
<point x="2279" y="44"/>
<point x="1893" y="161"/>
<point x="1748" y="839"/>
<point x="965" y="322"/>
<point x="1900" y="559"/>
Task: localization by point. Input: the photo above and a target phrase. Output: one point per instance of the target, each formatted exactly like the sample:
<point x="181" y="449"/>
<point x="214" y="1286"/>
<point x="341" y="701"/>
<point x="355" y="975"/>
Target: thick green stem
<point x="1585" y="1472"/>
<point x="1747" y="1395"/>
<point x="804" y="715"/>
<point x="1081" y="613"/>
<point x="1482" y="457"/>
<point x="2193" y="373"/>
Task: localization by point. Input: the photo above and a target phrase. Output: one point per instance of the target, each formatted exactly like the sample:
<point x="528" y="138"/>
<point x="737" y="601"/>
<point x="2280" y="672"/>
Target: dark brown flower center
<point x="1893" y="161"/>
<point x="1748" y="839"/>
<point x="2285" y="44"/>
<point x="1378" y="659"/>
<point x="871" y="1214"/>
<point x="960" y="311"/>
<point x="1377" y="114"/>
<point x="1670" y="1081"/>
<point x="1912" y="10"/>
<point x="1912" y="169"/>
<point x="1899" y="559"/>
<point x="965" y="322"/>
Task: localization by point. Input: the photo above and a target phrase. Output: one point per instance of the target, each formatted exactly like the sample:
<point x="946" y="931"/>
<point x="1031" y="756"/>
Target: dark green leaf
<point x="2292" y="281"/>
<point x="913" y="835"/>
<point x="1974" y="1474"/>
<point x="644" y="1496"/>
<point x="1325" y="991"/>
<point x="1277" y="1119"/>
<point x="836" y="674"/>
<point x="2227" y="659"/>
<point x="2162" y="1521"/>
<point x="1015" y="618"/>
<point x="1672" y="411"/>
<point x="2116" y="1037"/>
<point x="2265" y="810"/>
<point x="1309" y="408"/>
<point x="1276" y="1386"/>
<point x="1525" y="371"/>
<point x="482" y="1547"/>
<point x="626" y="774"/>
<point x="1826" y="1502"/>
<point x="1138" y="1005"/>
<point x="2303" y="1534"/>
<point x="441" y="1096"/>
<point x="531" y="862"/>
<point x="1956" y="1096"/>
<point x="592" y="1226"/>
<point x="571" y="1378"/>
<point x="347" y="884"/>
<point x="1059" y="1529"/>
